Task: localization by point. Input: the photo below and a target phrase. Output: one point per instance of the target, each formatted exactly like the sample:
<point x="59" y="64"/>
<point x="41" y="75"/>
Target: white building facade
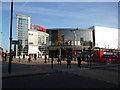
<point x="37" y="42"/>
<point x="105" y="37"/>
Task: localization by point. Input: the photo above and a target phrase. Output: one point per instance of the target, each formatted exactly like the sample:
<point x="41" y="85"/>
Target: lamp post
<point x="82" y="41"/>
<point x="91" y="46"/>
<point x="45" y="55"/>
<point x="75" y="39"/>
<point x="10" y="58"/>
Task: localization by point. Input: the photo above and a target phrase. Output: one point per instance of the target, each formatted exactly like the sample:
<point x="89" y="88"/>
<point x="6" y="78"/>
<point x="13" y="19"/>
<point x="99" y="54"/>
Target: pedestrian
<point x="29" y="59"/>
<point x="23" y="56"/>
<point x="69" y="62"/>
<point x="88" y="59"/>
<point x="35" y="56"/>
<point x="79" y="61"/>
<point x="59" y="60"/>
<point x="5" y="56"/>
<point x="45" y="59"/>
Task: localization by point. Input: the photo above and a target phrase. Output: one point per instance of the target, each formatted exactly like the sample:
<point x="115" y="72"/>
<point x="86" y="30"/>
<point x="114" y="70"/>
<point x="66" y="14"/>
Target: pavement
<point x="24" y="68"/>
<point x="38" y="67"/>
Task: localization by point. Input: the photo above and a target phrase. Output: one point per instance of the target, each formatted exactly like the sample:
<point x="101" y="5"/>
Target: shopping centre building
<point x="34" y="39"/>
<point x="69" y="41"/>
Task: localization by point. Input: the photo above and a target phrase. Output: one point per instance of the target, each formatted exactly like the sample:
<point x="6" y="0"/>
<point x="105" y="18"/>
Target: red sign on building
<point x="32" y="26"/>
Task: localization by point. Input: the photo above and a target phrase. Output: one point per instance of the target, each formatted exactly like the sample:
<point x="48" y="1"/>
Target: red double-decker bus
<point x="105" y="55"/>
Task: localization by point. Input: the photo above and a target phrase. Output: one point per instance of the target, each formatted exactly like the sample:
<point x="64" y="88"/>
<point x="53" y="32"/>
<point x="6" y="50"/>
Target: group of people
<point x="79" y="59"/>
<point x="69" y="59"/>
<point x="30" y="58"/>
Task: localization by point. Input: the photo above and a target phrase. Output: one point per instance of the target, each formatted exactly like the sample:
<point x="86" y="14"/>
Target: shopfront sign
<point x="32" y="26"/>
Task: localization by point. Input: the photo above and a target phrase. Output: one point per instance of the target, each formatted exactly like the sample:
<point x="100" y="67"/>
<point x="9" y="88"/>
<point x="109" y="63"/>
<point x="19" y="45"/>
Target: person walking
<point x="79" y="61"/>
<point x="45" y="59"/>
<point x="88" y="59"/>
<point x="23" y="56"/>
<point x="5" y="56"/>
<point x="35" y="56"/>
<point x="69" y="62"/>
<point x="29" y="59"/>
<point x="59" y="60"/>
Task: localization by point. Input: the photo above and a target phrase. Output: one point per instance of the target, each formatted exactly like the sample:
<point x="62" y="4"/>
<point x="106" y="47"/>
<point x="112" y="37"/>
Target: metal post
<point x="90" y="53"/>
<point x="52" y="59"/>
<point x="73" y="47"/>
<point x="45" y="55"/>
<point x="82" y="41"/>
<point x="10" y="58"/>
<point x="74" y="42"/>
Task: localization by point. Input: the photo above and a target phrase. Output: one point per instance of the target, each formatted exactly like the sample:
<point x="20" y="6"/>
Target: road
<point x="99" y="76"/>
<point x="57" y="80"/>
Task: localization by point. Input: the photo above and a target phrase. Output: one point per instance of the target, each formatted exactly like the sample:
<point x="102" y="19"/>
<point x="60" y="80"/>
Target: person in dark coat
<point x="35" y="56"/>
<point x="59" y="60"/>
<point x="79" y="61"/>
<point x="23" y="56"/>
<point x="69" y="62"/>
<point x="5" y="57"/>
<point x="45" y="59"/>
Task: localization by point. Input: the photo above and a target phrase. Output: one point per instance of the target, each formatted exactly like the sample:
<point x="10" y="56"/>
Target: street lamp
<point x="10" y="58"/>
<point x="82" y="41"/>
<point x="74" y="38"/>
<point x="91" y="46"/>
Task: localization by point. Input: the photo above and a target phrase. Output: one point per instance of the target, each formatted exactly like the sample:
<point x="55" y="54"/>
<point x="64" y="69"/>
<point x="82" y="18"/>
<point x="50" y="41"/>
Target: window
<point x="30" y="42"/>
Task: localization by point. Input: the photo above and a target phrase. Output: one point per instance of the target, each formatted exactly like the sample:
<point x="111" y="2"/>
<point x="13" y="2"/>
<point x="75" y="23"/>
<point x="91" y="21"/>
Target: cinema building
<point x="69" y="41"/>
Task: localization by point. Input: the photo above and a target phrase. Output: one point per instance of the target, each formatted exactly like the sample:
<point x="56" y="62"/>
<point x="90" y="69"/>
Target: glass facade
<point x="23" y="24"/>
<point x="70" y="37"/>
<point x="66" y="42"/>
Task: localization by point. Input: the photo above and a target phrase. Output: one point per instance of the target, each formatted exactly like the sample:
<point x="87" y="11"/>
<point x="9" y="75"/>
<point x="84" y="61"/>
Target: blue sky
<point x="60" y="15"/>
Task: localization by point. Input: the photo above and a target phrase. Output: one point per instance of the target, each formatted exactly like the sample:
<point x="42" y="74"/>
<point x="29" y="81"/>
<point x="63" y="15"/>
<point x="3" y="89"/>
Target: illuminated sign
<point x="32" y="26"/>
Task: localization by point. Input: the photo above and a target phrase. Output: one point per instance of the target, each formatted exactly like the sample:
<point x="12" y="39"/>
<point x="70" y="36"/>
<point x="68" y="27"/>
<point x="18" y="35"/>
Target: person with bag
<point x="29" y="59"/>
<point x="59" y="60"/>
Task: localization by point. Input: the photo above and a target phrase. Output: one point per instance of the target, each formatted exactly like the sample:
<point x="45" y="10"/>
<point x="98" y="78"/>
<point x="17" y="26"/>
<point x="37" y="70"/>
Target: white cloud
<point x="47" y="11"/>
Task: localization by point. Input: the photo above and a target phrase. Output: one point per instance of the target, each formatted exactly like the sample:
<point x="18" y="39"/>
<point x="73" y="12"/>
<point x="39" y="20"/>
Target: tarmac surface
<point x="106" y="72"/>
